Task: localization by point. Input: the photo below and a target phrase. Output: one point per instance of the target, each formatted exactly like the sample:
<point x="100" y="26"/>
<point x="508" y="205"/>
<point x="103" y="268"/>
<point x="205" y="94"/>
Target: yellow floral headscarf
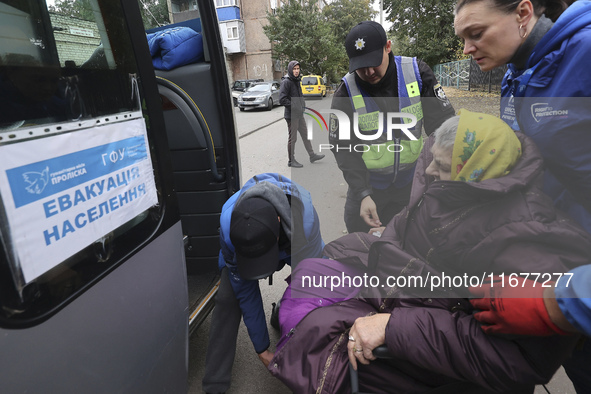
<point x="485" y="148"/>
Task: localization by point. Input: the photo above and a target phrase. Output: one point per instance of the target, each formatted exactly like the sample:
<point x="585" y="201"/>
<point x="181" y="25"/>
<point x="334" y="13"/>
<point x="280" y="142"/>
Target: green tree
<point x="299" y="30"/>
<point x="424" y="28"/>
<point x="341" y="16"/>
<point x="81" y="9"/>
<point x="154" y="12"/>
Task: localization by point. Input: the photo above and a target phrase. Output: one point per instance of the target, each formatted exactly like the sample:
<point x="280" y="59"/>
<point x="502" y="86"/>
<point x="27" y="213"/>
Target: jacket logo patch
<point x="543" y="110"/>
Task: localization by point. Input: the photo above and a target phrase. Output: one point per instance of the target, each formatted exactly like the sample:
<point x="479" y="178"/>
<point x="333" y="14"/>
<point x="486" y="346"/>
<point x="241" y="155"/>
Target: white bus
<point x="112" y="178"/>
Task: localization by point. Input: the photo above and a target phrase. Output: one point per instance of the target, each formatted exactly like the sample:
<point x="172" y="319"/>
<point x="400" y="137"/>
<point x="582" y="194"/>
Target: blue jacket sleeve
<point x="574" y="298"/>
<point x="555" y="113"/>
<point x="568" y="160"/>
<point x="246" y="291"/>
<point x="251" y="303"/>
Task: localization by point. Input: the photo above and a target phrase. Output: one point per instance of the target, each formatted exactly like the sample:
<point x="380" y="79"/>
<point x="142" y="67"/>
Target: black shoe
<point x="316" y="157"/>
<point x="294" y="163"/>
<point x="275" y="315"/>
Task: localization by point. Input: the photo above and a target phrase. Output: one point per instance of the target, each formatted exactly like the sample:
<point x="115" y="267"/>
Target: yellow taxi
<point x="313" y="86"/>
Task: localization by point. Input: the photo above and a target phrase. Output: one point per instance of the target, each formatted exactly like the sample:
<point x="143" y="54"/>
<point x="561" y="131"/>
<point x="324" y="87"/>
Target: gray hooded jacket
<point x="290" y="94"/>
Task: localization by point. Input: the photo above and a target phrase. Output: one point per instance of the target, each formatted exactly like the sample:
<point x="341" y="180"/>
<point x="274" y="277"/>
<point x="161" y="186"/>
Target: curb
<point x="258" y="128"/>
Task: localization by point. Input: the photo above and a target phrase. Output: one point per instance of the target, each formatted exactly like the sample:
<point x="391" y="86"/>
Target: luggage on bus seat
<point x="175" y="47"/>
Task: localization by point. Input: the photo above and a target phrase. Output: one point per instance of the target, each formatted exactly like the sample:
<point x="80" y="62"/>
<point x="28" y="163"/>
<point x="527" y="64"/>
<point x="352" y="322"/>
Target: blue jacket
<point x="247" y="291"/>
<point x="550" y="98"/>
<point x="574" y="298"/>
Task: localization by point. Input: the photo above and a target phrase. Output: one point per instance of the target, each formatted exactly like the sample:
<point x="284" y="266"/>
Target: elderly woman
<point x="545" y="94"/>
<point x="475" y="210"/>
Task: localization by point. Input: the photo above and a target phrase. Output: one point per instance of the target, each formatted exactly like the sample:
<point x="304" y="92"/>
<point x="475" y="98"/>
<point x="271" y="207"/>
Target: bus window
<point x="79" y="186"/>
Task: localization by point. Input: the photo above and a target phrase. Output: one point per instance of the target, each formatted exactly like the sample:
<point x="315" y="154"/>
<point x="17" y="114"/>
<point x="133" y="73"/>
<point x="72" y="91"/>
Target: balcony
<point x="228" y="13"/>
<point x="233" y="36"/>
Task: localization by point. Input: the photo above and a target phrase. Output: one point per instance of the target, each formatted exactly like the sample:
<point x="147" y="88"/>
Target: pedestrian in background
<point x="290" y="96"/>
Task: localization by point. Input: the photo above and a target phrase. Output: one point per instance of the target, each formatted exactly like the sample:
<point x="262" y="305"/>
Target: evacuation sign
<point x="64" y="192"/>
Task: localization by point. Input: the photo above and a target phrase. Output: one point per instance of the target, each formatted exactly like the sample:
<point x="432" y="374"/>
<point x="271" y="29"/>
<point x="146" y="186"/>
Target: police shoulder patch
<point x="334" y="126"/>
<point x="440" y="94"/>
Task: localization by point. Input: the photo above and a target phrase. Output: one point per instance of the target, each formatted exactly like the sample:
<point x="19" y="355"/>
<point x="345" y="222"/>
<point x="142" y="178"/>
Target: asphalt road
<point x="263" y="148"/>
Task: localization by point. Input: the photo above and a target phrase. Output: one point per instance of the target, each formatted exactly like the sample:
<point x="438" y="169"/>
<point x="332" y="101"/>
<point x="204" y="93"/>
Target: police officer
<point x="268" y="223"/>
<point x="379" y="171"/>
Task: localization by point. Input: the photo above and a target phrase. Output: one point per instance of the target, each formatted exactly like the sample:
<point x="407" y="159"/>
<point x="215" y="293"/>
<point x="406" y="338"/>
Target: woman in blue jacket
<point x="545" y="94"/>
<point x="547" y="89"/>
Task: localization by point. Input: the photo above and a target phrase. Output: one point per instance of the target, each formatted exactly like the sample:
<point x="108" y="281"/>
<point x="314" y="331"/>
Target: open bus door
<point x="93" y="269"/>
<point x="199" y="118"/>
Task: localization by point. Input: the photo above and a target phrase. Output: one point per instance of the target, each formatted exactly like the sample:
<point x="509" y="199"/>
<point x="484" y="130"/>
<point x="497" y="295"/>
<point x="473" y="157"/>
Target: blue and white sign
<point x="64" y="192"/>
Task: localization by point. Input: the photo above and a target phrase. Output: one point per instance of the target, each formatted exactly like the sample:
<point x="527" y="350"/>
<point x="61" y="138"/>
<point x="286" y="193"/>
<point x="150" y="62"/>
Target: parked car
<point x="313" y="86"/>
<point x="260" y="95"/>
<point x="240" y="85"/>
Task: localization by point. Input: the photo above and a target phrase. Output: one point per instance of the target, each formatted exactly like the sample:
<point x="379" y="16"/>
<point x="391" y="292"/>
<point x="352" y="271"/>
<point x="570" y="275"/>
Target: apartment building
<point x="248" y="50"/>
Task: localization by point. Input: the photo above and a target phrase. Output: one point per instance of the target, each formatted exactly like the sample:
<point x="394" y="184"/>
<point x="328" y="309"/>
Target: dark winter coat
<point x="290" y="93"/>
<point x="504" y="225"/>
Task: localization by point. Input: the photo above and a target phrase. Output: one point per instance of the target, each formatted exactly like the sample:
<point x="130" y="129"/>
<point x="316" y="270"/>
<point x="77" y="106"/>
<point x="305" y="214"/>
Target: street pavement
<point x="263" y="148"/>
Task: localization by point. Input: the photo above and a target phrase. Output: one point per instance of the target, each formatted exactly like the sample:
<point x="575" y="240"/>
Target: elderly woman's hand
<point x="366" y="334"/>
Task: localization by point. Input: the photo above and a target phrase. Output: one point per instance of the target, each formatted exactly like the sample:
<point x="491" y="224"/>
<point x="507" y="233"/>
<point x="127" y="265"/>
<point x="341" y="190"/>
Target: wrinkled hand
<point x="516" y="310"/>
<point x="369" y="212"/>
<point x="266" y="357"/>
<point x="369" y="332"/>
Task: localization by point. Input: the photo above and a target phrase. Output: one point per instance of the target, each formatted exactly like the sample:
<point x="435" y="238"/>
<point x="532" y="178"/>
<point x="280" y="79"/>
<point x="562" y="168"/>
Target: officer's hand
<point x="266" y="357"/>
<point x="369" y="212"/>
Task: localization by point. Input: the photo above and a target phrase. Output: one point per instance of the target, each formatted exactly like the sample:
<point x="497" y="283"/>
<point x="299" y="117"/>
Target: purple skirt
<point x="314" y="283"/>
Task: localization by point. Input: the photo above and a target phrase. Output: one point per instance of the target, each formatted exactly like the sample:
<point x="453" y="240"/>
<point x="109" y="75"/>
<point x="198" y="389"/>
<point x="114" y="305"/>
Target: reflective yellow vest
<point x="400" y="154"/>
